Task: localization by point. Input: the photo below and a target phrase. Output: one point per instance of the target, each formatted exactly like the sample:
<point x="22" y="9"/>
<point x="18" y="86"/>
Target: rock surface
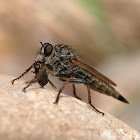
<point x="32" y="115"/>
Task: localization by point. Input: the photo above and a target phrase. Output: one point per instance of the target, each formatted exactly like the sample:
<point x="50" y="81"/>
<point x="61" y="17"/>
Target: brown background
<point x="104" y="33"/>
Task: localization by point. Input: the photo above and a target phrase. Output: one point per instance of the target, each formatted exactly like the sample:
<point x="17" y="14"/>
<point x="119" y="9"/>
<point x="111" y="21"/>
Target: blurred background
<point x="105" y="34"/>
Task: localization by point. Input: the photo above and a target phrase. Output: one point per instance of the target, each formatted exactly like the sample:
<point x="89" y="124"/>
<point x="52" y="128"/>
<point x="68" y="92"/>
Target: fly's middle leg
<point x="74" y="92"/>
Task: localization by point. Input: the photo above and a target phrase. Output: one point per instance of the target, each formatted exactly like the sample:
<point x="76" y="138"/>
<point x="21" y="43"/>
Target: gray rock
<point x="32" y="115"/>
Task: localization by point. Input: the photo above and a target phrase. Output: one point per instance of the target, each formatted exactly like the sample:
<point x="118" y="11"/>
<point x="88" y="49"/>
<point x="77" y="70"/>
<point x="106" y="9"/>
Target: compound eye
<point x="48" y="50"/>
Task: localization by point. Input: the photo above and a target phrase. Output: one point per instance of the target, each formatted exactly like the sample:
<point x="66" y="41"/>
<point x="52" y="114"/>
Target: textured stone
<point x="32" y="115"/>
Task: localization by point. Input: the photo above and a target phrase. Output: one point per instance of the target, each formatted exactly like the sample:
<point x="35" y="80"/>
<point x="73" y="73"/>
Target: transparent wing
<point x="92" y="71"/>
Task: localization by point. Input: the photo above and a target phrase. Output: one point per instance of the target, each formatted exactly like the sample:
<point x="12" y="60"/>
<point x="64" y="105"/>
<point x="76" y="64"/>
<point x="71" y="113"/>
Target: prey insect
<point x="62" y="62"/>
<point x="42" y="79"/>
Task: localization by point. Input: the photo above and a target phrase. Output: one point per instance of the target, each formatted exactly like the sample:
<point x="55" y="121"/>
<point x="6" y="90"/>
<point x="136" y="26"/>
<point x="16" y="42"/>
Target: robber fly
<point x="62" y="62"/>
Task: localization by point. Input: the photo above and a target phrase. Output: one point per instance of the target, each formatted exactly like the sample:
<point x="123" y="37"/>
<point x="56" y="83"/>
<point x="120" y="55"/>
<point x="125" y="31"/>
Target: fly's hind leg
<point x="89" y="100"/>
<point x="22" y="74"/>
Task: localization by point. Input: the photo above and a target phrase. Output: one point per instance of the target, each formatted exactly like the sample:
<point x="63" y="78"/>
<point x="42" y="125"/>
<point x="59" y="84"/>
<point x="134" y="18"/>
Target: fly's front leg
<point x="30" y="81"/>
<point x="22" y="74"/>
<point x="34" y="79"/>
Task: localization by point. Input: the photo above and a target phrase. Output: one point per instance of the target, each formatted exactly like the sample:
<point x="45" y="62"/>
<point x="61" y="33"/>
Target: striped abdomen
<point x="105" y="88"/>
<point x="96" y="83"/>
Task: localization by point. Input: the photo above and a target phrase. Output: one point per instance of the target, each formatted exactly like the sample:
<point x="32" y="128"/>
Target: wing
<point x="92" y="71"/>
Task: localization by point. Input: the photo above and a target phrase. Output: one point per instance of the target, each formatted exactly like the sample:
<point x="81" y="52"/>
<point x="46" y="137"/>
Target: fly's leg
<point x="57" y="98"/>
<point x="74" y="92"/>
<point x="52" y="84"/>
<point x="34" y="79"/>
<point x="22" y="74"/>
<point x="89" y="100"/>
<point x="74" y="81"/>
<point x="30" y="81"/>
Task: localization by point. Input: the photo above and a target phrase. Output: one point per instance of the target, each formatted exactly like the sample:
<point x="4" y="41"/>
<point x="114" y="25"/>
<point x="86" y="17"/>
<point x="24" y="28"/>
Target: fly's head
<point x="56" y="58"/>
<point x="45" y="51"/>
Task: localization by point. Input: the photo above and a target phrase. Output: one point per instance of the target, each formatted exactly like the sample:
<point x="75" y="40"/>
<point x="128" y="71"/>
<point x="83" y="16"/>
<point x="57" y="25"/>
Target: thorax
<point x="58" y="62"/>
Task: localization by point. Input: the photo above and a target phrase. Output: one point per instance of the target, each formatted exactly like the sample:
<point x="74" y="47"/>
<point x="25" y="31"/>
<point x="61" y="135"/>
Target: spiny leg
<point x="34" y="79"/>
<point x="57" y="98"/>
<point x="74" y="92"/>
<point x="23" y="74"/>
<point x="89" y="100"/>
